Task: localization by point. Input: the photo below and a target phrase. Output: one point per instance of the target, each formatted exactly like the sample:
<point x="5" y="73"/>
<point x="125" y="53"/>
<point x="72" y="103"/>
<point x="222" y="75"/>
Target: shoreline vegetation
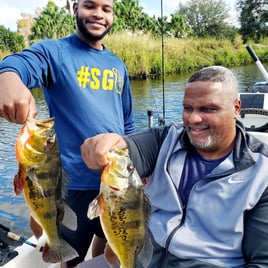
<point x="142" y="53"/>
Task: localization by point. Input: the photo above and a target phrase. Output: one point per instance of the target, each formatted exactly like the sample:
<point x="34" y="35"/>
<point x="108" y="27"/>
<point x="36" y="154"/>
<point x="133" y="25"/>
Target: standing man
<point x="87" y="91"/>
<point x="209" y="179"/>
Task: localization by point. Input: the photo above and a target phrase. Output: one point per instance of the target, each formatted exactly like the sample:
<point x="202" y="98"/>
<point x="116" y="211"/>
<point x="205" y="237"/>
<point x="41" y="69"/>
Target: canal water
<point x="147" y="95"/>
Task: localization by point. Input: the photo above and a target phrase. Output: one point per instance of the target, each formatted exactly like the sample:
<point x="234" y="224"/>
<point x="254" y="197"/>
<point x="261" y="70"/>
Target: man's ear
<point x="237" y="107"/>
<point x="75" y="7"/>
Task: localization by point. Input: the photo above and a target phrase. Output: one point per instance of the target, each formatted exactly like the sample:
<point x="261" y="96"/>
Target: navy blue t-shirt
<point x="195" y="168"/>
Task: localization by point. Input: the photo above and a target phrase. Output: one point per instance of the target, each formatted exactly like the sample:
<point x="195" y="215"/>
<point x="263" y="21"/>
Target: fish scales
<point x="40" y="173"/>
<point x="123" y="207"/>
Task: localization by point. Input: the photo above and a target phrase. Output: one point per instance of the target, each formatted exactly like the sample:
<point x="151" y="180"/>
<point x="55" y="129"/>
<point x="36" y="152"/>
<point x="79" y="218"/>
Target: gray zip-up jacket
<point x="225" y="222"/>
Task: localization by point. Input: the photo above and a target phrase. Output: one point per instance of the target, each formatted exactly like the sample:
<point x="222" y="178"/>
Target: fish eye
<point x="50" y="142"/>
<point x="130" y="167"/>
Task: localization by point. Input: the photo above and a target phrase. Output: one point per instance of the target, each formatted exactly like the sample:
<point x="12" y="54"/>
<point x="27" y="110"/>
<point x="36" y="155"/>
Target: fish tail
<point x="127" y="264"/>
<point x="124" y="266"/>
<point x="61" y="252"/>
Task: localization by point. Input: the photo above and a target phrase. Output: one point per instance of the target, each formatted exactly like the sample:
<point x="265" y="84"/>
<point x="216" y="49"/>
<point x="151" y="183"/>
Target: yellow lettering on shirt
<point x="97" y="79"/>
<point x="108" y="80"/>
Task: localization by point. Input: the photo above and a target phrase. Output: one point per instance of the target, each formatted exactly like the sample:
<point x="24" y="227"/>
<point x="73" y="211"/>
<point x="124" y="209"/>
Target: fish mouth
<point x="40" y="123"/>
<point x="44" y="127"/>
<point x="48" y="123"/>
<point x="114" y="188"/>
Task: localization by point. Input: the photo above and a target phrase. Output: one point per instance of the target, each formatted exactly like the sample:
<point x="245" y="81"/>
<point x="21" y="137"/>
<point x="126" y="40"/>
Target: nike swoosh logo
<point x="232" y="180"/>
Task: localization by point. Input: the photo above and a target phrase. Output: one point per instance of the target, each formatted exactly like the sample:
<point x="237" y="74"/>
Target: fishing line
<point x="155" y="104"/>
<point x="161" y="120"/>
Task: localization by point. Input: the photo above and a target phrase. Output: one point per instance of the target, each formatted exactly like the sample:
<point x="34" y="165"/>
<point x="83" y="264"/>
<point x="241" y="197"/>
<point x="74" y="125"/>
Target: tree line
<point x="195" y="19"/>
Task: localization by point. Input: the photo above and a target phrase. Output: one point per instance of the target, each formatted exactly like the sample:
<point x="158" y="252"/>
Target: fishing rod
<point x="22" y="240"/>
<point x="7" y="239"/>
<point x="257" y="61"/>
<point x="161" y="121"/>
<point x="13" y="239"/>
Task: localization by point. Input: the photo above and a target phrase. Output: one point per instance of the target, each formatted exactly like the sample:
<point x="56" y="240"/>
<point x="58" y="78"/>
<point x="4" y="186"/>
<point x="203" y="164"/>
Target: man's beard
<point x="203" y="144"/>
<point x="82" y="28"/>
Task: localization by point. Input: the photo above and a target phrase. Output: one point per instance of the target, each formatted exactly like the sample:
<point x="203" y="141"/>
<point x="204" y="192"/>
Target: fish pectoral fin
<point x="35" y="227"/>
<point x="32" y="176"/>
<point x="18" y="183"/>
<point x="69" y="219"/>
<point x="94" y="209"/>
<point x="146" y="254"/>
<point x="110" y="257"/>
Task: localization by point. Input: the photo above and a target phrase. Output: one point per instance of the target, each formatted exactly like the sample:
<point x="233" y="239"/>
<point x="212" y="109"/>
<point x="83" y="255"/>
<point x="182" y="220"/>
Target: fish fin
<point x="110" y="257"/>
<point x="64" y="182"/>
<point x="35" y="227"/>
<point x="94" y="208"/>
<point x="146" y="253"/>
<point x="147" y="208"/>
<point x="69" y="218"/>
<point x="61" y="252"/>
<point x="32" y="176"/>
<point x="18" y="183"/>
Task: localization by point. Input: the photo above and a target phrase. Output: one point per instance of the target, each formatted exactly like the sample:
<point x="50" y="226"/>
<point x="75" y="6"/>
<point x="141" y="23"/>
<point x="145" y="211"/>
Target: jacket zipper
<point x="164" y="257"/>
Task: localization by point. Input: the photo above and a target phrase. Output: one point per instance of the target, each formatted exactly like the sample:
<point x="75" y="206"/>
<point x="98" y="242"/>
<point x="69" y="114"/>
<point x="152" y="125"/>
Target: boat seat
<point x="254" y="111"/>
<point x="252" y="100"/>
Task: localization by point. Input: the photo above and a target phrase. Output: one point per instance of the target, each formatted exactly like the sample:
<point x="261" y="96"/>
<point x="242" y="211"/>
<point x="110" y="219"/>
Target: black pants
<point x="80" y="239"/>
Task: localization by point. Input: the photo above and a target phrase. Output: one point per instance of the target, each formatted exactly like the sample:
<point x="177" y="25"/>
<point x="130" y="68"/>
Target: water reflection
<point x="147" y="95"/>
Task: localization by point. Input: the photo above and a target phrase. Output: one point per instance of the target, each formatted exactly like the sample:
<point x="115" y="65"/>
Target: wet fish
<point x="40" y="176"/>
<point x="124" y="209"/>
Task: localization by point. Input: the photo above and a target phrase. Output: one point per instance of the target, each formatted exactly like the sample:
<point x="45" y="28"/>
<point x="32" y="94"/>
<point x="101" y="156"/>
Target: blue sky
<point x="11" y="10"/>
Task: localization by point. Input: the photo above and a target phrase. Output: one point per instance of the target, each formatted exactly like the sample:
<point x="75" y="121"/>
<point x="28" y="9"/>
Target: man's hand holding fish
<point x="16" y="102"/>
<point x="94" y="150"/>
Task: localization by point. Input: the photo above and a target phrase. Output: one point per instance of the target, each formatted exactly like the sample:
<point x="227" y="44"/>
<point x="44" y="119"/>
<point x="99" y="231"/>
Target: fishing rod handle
<point x="252" y="53"/>
<point x="13" y="236"/>
<point x="257" y="61"/>
<point x="22" y="239"/>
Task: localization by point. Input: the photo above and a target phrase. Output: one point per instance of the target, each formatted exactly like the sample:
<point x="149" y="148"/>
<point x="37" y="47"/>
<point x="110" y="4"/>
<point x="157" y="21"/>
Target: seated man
<point x="208" y="179"/>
